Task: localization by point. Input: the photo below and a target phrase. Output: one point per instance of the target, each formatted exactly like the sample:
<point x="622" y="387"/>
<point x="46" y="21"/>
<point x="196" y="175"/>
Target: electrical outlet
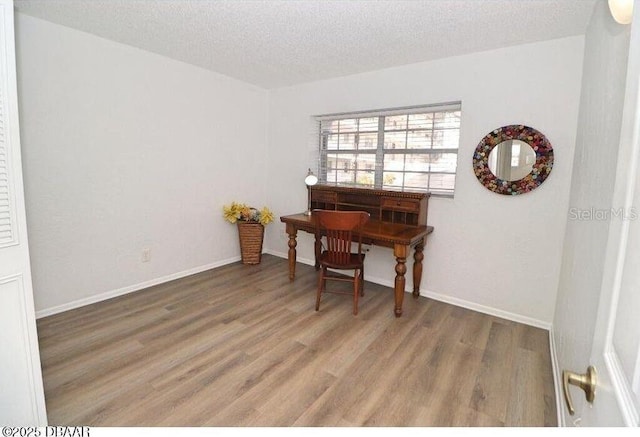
<point x="146" y="255"/>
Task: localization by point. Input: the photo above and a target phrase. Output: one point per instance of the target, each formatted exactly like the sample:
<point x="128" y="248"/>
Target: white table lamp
<point x="310" y="181"/>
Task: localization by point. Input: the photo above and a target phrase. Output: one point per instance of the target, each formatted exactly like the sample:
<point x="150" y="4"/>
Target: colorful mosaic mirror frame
<point x="541" y="168"/>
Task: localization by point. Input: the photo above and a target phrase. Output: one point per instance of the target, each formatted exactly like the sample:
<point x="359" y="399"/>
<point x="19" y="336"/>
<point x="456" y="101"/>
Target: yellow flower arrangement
<point x="244" y="213"/>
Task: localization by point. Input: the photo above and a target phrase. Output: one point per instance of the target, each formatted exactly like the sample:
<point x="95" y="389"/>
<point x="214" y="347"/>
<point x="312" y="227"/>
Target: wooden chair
<point x="338" y="227"/>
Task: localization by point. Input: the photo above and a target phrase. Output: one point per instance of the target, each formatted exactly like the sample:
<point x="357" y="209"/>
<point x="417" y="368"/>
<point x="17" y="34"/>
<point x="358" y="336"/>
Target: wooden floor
<point x="242" y="346"/>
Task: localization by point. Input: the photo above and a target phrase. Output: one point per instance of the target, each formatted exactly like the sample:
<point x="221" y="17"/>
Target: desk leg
<point x="418" y="256"/>
<point x="292" y="231"/>
<point x="400" y="252"/>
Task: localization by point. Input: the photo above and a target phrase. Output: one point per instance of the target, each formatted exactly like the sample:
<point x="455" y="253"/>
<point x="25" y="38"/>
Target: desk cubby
<point x="387" y="206"/>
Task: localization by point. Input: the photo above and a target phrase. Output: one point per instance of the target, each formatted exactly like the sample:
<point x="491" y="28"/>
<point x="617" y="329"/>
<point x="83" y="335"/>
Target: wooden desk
<point x="401" y="237"/>
<point x="398" y="220"/>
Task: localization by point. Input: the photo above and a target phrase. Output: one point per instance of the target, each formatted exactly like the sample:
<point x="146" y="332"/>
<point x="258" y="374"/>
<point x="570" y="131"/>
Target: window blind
<point x="412" y="148"/>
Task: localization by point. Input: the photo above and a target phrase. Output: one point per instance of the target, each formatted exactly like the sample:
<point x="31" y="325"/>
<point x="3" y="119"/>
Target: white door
<point x="21" y="390"/>
<point x="615" y="351"/>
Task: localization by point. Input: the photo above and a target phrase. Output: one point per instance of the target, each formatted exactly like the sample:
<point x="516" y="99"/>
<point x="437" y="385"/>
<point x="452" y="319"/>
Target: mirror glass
<point x="512" y="160"/>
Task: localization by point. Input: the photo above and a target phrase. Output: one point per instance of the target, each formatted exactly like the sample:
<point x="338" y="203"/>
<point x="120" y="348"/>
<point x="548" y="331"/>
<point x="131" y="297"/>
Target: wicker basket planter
<point x="251" y="235"/>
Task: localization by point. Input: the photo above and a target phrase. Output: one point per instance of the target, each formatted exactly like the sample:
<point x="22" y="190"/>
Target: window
<point x="413" y="149"/>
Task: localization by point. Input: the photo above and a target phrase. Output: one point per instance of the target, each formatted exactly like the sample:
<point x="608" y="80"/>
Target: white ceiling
<point x="274" y="43"/>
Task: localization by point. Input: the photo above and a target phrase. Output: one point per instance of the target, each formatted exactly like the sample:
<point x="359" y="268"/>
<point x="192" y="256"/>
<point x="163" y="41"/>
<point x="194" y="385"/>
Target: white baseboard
<point x="385" y="282"/>
<point x="131" y="288"/>
<point x="307" y="261"/>
<point x="444" y="298"/>
<point x="514" y="317"/>
<point x="556" y="378"/>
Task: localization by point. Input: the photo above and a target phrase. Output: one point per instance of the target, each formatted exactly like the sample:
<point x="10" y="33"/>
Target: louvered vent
<point x="7" y="230"/>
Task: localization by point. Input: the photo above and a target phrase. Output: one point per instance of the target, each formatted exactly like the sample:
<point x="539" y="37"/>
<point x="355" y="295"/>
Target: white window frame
<point x="380" y="151"/>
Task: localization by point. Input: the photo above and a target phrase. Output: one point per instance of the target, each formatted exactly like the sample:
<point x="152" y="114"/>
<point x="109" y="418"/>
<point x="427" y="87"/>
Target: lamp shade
<point x="311" y="179"/>
<point x="621" y="10"/>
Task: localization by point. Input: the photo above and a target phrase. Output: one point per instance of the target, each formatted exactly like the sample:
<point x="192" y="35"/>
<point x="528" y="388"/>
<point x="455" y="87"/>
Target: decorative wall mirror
<point x="513" y="160"/>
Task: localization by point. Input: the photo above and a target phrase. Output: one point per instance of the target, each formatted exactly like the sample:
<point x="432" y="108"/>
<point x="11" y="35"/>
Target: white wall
<point x="478" y="255"/>
<point x="125" y="150"/>
<point x="122" y="151"/>
<point x="592" y="187"/>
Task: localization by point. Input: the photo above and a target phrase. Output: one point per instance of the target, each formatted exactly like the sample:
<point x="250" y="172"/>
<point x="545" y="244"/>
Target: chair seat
<point x="355" y="261"/>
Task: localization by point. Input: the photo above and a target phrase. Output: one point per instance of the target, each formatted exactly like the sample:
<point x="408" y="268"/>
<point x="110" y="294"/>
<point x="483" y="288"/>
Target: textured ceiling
<point x="273" y="43"/>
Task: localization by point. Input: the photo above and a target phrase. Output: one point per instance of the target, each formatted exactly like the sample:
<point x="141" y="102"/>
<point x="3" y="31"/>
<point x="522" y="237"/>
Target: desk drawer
<point x="324" y="196"/>
<point x="408" y="205"/>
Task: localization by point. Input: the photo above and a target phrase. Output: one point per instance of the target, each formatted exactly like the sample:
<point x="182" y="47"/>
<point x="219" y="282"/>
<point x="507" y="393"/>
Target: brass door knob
<point x="586" y="382"/>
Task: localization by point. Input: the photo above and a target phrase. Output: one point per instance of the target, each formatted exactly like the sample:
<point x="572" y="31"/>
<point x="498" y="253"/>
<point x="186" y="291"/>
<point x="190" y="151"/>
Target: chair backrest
<point x="338" y="227"/>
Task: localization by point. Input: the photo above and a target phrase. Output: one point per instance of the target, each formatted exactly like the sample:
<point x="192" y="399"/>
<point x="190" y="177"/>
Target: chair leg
<point x="356" y="293"/>
<point x="320" y="287"/>
<point x="361" y="279"/>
